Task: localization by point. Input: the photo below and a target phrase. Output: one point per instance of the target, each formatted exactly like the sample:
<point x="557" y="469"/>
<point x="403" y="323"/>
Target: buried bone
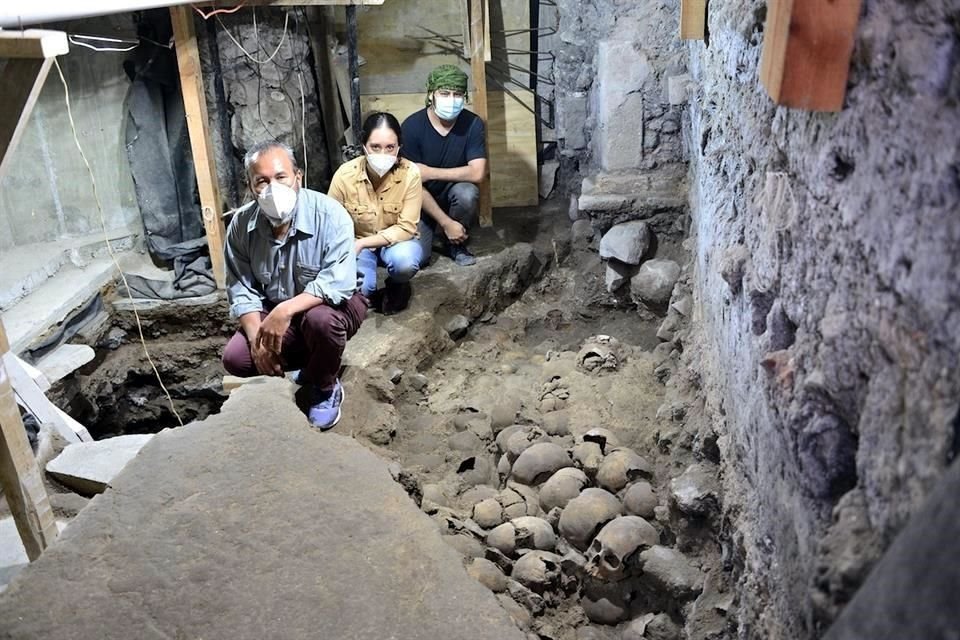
<point x="562" y="487"/>
<point x="586" y="514"/>
<point x="614" y="550"/>
<point x="600" y="353"/>
<point x="539" y="462"/>
<point x="620" y="467"/>
<point x="526" y="532"/>
<point x="537" y="571"/>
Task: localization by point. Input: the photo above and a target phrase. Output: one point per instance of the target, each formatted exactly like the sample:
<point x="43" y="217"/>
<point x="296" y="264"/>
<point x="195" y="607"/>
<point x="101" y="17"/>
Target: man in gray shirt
<point x="291" y="281"/>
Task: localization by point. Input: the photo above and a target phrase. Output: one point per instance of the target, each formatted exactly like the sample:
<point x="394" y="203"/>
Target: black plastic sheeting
<point x="158" y="149"/>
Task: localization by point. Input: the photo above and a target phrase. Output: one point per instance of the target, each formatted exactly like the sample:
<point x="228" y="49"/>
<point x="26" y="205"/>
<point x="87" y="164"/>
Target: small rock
<point x="662" y="514"/>
<point x="88" y="467"/>
<point x="604" y="603"/>
<point x="626" y="242"/>
<point x="581" y="233"/>
<point x="114" y="339"/>
<point x="457" y="327"/>
<point x="67" y="505"/>
<point x="617" y="275"/>
<point x="488" y="574"/>
<point x="418" y="382"/>
<point x="695" y="491"/>
<point x="640" y="500"/>
<point x="670" y="571"/>
<point x="503" y="415"/>
<point x="654" y="282"/>
<point x="637" y="628"/>
<point x="662" y="628"/>
<point x="395" y="374"/>
<point x="669" y="326"/>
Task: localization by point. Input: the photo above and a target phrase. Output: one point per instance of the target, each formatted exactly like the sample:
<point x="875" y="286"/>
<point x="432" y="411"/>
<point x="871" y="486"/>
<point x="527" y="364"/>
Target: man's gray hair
<point x="254" y="152"/>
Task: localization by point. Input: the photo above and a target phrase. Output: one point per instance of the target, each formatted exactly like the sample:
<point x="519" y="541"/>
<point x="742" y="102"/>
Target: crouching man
<point x="291" y="281"/>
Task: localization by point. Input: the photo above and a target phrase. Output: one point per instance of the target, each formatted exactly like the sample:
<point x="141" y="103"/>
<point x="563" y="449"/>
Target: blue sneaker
<point x="461" y="255"/>
<point x="325" y="411"/>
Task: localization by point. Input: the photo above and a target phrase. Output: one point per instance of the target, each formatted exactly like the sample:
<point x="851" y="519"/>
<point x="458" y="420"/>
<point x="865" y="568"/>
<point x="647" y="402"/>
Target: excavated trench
<point x="555" y="445"/>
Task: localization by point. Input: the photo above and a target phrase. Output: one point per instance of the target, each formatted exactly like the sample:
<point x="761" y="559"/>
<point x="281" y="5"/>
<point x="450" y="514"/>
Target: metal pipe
<point x="15" y="15"/>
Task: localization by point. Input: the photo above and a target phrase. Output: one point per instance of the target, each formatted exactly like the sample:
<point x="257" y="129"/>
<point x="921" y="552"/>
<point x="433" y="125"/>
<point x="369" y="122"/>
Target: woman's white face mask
<point x="380" y="163"/>
<point x="277" y="201"/>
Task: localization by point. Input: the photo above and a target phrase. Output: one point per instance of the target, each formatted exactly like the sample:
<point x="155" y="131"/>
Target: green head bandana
<point x="446" y="76"/>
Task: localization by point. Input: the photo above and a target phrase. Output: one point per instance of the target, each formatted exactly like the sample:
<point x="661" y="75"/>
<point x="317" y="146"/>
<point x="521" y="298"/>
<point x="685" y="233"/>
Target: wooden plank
<point x="320" y="24"/>
<point x="487" y="51"/>
<point x="478" y="66"/>
<point x="464" y="6"/>
<point x="21" y="79"/>
<point x="20" y="476"/>
<point x="195" y="105"/>
<point x="33" y="400"/>
<point x="693" y="19"/>
<point x="511" y="136"/>
<point x="33" y="43"/>
<point x="806" y="52"/>
<point x="39" y="377"/>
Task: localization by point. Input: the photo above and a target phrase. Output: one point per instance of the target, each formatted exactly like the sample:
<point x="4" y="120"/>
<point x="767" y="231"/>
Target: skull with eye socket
<point x="614" y="551"/>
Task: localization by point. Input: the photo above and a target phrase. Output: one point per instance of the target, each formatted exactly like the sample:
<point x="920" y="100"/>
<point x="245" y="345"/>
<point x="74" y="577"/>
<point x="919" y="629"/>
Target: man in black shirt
<point x="448" y="144"/>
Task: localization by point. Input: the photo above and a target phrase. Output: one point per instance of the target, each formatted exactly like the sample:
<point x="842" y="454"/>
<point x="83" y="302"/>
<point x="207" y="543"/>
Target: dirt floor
<point x="564" y="359"/>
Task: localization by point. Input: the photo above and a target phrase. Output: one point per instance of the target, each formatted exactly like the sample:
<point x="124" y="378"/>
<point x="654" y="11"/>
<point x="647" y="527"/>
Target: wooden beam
<point x="204" y="163"/>
<point x="20" y="476"/>
<point x="33" y="43"/>
<point x="478" y="45"/>
<point x="806" y="52"/>
<point x="21" y="79"/>
<point x="33" y="399"/>
<point x="320" y="29"/>
<point x="693" y="19"/>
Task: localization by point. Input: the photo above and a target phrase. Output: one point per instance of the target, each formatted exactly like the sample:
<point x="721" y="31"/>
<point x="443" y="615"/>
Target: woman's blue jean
<point x="402" y="261"/>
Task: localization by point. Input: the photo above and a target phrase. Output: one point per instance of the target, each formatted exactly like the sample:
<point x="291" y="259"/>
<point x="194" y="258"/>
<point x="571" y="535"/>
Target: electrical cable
<point x="73" y="40"/>
<point x="106" y="239"/>
<point x="286" y="20"/>
<point x="216" y="12"/>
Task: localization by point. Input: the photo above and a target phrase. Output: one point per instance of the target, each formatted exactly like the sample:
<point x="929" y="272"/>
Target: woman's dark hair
<point x="380" y="119"/>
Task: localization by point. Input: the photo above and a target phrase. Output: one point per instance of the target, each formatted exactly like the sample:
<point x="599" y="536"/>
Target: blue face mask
<point x="448" y="108"/>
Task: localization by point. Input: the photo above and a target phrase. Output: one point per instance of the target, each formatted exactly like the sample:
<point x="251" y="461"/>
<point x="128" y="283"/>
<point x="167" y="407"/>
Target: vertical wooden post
<point x="195" y="105"/>
<point x="478" y="11"/>
<point x="320" y="29"/>
<point x="693" y="19"/>
<point x="806" y="52"/>
<point x="20" y="477"/>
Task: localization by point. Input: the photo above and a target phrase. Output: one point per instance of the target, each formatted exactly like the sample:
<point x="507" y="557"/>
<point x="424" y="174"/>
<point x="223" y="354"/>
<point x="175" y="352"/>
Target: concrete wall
<point x="828" y="284"/>
<point x="47" y="195"/>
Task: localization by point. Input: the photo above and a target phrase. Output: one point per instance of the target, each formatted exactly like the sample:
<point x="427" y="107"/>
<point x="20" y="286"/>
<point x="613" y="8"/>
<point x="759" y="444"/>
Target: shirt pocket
<point x="364" y="219"/>
<point x="306" y="273"/>
<point x="391" y="213"/>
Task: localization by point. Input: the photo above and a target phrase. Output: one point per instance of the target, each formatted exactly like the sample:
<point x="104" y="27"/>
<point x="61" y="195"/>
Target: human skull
<point x="586" y="514"/>
<point x="587" y="456"/>
<point x="603" y="437"/>
<point x="504" y="436"/>
<point x="615" y="547"/>
<point x="539" y="462"/>
<point x="621" y="466"/>
<point x="562" y="487"/>
<point x="488" y="513"/>
<point x="600" y="353"/>
<point x="537" y="570"/>
<point x="525" y="532"/>
<point x="523" y="439"/>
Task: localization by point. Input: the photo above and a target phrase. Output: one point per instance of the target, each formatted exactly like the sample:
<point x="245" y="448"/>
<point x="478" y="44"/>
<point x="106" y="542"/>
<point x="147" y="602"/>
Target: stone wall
<point x="613" y="113"/>
<point x="827" y="263"/>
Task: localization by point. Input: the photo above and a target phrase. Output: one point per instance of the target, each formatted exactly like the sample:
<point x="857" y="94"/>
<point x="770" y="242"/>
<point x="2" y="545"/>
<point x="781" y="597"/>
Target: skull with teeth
<point x="613" y="551"/>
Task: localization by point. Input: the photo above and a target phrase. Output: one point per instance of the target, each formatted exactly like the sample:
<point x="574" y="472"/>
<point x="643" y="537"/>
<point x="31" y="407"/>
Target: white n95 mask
<point x="381" y="162"/>
<point x="277" y="202"/>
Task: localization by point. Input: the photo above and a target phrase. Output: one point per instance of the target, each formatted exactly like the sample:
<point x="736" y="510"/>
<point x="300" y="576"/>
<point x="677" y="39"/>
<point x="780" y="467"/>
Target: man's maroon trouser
<point x="314" y="343"/>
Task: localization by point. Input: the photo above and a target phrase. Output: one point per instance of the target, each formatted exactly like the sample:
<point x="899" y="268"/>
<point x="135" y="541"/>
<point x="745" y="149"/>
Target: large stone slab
<point x="88" y="467"/>
<point x="251" y="524"/>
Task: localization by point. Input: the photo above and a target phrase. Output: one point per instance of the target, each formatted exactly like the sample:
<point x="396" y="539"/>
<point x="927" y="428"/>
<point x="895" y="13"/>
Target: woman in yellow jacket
<point x="383" y="194"/>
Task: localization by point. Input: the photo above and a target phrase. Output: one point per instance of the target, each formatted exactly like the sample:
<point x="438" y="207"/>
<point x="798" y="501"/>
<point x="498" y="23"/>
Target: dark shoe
<point x="461" y="255"/>
<point x="396" y="297"/>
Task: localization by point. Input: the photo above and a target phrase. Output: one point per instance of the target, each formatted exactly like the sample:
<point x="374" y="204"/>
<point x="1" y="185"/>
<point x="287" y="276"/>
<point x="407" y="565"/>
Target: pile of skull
<point x="571" y="526"/>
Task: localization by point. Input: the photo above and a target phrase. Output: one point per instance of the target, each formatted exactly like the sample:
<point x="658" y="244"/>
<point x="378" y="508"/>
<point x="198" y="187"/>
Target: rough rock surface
<point x="626" y="242"/>
<point x="88" y="467"/>
<point x="654" y="281"/>
<point x="178" y="546"/>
